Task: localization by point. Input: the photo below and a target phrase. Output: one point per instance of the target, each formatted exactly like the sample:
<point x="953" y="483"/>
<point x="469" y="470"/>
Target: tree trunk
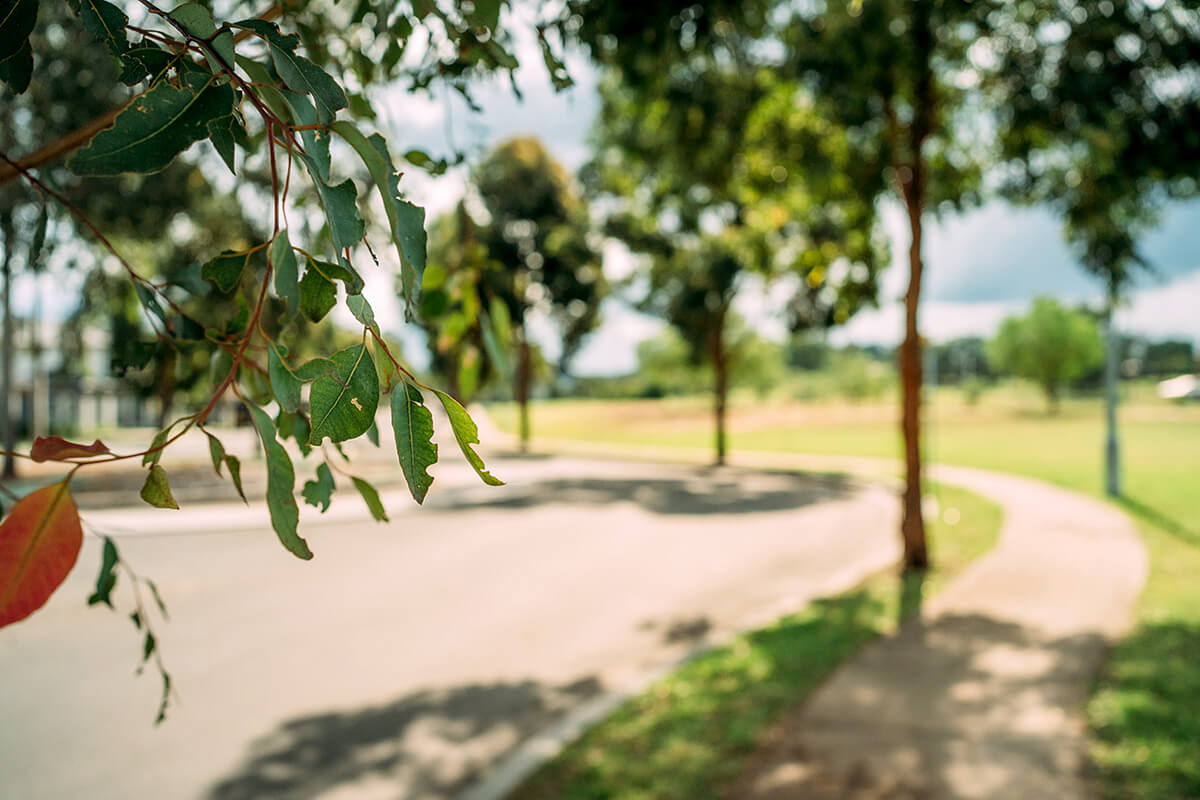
<point x="720" y="361"/>
<point x="912" y="185"/>
<point x="7" y="424"/>
<point x="912" y="528"/>
<point x="524" y="381"/>
<point x="1112" y="453"/>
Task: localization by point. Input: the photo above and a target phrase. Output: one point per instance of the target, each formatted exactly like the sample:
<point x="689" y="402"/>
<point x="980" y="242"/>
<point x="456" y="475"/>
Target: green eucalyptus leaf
<point x="371" y="497"/>
<point x="295" y="427"/>
<point x="17" y="71"/>
<point x="467" y="434"/>
<point x="317" y="295"/>
<point x="106" y="22"/>
<point x="106" y="579"/>
<point x="281" y="483"/>
<point x="407" y="221"/>
<point x="149" y="301"/>
<point x="287" y="271"/>
<point x="241" y="317"/>
<point x="155" y="451"/>
<point x="157" y="491"/>
<point x="157" y="126"/>
<point x="17" y="18"/>
<point x="216" y="451"/>
<point x="305" y="77"/>
<point x="235" y="474"/>
<point x="412" y="425"/>
<point x="389" y="375"/>
<point x="220" y="133"/>
<point x="270" y="31"/>
<point x="158" y="601"/>
<point x="363" y="312"/>
<point x="143" y="61"/>
<point x="316" y="142"/>
<point x="311" y="370"/>
<point x="319" y="493"/>
<point x="284" y="383"/>
<point x="226" y="269"/>
<point x="340" y="204"/>
<point x="199" y="22"/>
<point x="338" y="272"/>
<point x="131" y="354"/>
<point x="343" y="408"/>
<point x="265" y="81"/>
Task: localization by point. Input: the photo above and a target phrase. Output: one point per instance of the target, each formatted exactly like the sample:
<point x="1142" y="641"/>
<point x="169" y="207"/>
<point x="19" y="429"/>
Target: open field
<point x="690" y="734"/>
<point x="1146" y="735"/>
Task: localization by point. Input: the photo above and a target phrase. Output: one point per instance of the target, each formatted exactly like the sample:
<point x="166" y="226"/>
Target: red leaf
<point x="56" y="448"/>
<point x="39" y="543"/>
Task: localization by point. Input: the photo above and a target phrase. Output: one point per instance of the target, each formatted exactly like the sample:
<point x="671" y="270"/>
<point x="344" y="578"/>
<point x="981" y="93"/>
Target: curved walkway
<point x="983" y="696"/>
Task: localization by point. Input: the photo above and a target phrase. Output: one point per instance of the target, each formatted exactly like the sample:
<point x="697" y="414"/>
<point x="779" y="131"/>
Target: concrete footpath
<point x="983" y="695"/>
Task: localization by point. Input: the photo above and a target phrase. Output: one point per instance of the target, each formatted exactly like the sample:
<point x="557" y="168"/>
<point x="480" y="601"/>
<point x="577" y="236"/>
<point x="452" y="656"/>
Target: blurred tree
<point x="1051" y="345"/>
<point x="692" y="141"/>
<point x="667" y="363"/>
<point x="961" y="359"/>
<point x="1168" y="357"/>
<point x="1099" y="113"/>
<point x="898" y="76"/>
<point x="533" y="257"/>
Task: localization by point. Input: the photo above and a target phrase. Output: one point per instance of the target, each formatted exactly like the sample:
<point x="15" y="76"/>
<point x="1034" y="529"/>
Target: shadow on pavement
<point x="431" y="743"/>
<point x="701" y="494"/>
<point x="961" y="706"/>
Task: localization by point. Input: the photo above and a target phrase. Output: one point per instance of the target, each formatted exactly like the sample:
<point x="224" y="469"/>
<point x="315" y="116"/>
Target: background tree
<point x="533" y="256"/>
<point x="1100" y="115"/>
<point x="900" y="75"/>
<point x="1050" y="346"/>
<point x="691" y="124"/>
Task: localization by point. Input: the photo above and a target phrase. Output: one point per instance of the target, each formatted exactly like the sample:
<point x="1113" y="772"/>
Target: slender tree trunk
<point x="1112" y="453"/>
<point x="912" y="179"/>
<point x="912" y="528"/>
<point x="524" y="382"/>
<point x="720" y="361"/>
<point x="7" y="424"/>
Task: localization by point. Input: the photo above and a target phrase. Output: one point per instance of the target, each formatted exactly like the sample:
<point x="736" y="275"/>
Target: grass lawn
<point x="687" y="736"/>
<point x="1145" y="711"/>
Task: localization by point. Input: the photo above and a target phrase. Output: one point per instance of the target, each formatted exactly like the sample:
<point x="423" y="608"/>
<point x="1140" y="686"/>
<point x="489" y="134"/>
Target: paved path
<point x="983" y="696"/>
<point x="406" y="659"/>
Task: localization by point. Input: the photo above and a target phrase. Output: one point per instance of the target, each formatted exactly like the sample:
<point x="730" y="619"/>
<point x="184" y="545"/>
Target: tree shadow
<point x="431" y="743"/>
<point x="689" y="736"/>
<point x="912" y="594"/>
<point x="960" y="706"/>
<point x="1161" y="520"/>
<point x="701" y="492"/>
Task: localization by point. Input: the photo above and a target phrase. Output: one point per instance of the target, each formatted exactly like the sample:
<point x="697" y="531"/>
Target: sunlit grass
<point x="1146" y="729"/>
<point x="688" y="735"/>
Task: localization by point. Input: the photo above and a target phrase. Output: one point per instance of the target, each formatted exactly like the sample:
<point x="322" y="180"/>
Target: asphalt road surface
<point x="406" y="657"/>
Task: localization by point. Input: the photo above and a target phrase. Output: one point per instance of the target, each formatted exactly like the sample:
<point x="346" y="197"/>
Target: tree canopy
<point x="1050" y="346"/>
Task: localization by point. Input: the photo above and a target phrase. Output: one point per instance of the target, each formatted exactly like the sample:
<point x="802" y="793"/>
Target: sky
<point x="980" y="266"/>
